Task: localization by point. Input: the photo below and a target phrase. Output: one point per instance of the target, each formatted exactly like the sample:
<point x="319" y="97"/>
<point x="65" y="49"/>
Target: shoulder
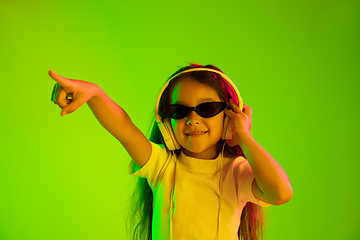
<point x="242" y="170"/>
<point x="241" y="163"/>
<point x="237" y="166"/>
<point x="158" y="149"/>
<point x="159" y="157"/>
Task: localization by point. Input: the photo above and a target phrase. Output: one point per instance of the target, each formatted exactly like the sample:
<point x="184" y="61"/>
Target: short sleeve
<point x="245" y="178"/>
<point x="152" y="169"/>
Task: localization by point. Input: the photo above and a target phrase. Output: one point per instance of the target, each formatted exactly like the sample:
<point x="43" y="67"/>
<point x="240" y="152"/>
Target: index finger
<point x="63" y="81"/>
<point x="234" y="107"/>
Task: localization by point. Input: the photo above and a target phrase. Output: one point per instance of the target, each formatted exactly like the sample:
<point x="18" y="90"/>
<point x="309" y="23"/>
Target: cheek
<point x="218" y="122"/>
<point x="176" y="126"/>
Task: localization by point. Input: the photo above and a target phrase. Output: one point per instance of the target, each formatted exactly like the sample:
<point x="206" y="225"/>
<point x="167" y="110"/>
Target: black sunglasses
<point x="205" y="110"/>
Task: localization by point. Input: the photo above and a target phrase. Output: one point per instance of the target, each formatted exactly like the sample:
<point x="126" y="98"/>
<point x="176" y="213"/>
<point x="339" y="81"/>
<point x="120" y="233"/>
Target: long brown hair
<point x="141" y="208"/>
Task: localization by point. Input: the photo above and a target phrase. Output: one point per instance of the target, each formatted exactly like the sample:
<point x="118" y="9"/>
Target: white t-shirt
<point x="196" y="195"/>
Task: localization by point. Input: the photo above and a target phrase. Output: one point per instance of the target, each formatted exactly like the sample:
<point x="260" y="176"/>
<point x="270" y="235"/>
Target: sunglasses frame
<point x="189" y="109"/>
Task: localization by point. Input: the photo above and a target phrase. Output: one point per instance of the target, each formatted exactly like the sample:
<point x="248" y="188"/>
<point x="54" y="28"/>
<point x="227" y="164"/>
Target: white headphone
<point x="165" y="125"/>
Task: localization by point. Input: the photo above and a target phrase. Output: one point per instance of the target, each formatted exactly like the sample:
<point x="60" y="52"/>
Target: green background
<point x="296" y="63"/>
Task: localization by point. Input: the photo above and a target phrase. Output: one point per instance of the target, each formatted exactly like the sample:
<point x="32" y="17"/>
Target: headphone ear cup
<point x="168" y="135"/>
<point x="227" y="133"/>
<point x="171" y="134"/>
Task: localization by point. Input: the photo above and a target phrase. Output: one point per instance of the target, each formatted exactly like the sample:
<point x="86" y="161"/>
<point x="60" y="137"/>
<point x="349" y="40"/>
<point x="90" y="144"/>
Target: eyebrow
<point x="201" y="100"/>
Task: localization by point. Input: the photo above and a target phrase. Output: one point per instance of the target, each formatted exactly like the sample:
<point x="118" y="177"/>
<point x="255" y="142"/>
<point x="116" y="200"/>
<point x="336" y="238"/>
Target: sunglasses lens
<point x="210" y="109"/>
<point x="205" y="110"/>
<point x="175" y="111"/>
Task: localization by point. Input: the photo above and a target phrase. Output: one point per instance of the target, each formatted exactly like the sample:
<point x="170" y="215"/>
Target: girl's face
<point x="197" y="136"/>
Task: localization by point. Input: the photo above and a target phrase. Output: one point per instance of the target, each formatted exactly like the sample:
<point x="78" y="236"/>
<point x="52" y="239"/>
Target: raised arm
<point x="271" y="183"/>
<point x="110" y="115"/>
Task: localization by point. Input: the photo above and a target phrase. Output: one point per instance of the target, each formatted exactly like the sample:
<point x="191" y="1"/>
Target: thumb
<point x="75" y="104"/>
<point x="63" y="81"/>
<point x="63" y="112"/>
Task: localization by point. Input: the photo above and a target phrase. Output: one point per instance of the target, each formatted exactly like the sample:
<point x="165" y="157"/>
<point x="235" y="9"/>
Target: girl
<point x="199" y="183"/>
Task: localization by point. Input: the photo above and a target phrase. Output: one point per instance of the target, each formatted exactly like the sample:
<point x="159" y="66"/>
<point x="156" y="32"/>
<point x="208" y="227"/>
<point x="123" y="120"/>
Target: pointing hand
<point x="79" y="91"/>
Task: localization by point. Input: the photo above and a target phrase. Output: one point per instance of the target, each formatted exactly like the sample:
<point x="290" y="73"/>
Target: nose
<point x="192" y="118"/>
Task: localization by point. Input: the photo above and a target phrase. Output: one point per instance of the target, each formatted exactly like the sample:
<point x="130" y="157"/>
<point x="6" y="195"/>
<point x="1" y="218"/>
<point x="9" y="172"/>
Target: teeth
<point x="198" y="133"/>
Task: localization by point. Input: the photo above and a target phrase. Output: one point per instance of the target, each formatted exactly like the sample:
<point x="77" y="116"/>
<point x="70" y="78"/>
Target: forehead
<point x="190" y="92"/>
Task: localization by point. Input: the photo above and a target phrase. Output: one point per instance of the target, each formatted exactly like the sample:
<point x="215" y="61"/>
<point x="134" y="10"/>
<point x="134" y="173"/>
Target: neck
<point x="209" y="155"/>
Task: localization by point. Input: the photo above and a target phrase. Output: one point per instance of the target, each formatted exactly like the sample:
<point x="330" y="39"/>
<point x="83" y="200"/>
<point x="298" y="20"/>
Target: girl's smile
<point x="197" y="136"/>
